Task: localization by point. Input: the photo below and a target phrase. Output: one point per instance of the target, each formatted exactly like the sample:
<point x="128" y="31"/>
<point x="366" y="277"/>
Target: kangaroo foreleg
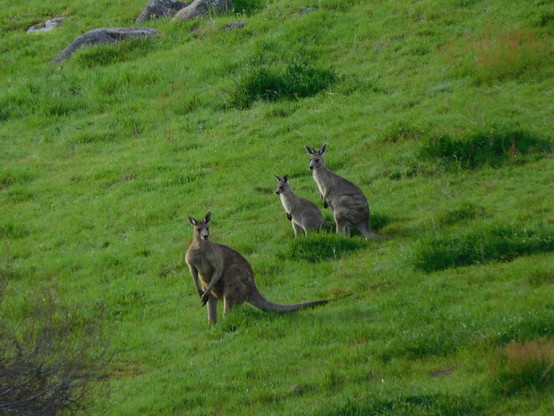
<point x="214" y="279"/>
<point x="324" y="199"/>
<point x="194" y="274"/>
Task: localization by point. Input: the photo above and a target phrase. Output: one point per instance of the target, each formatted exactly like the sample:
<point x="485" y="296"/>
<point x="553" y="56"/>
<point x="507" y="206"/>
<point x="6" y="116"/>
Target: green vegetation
<point x="441" y="111"/>
<point x="481" y="246"/>
<point x="480" y="149"/>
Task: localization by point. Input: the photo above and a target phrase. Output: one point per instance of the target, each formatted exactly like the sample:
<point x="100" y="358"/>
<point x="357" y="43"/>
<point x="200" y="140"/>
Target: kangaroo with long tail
<point x="221" y="273"/>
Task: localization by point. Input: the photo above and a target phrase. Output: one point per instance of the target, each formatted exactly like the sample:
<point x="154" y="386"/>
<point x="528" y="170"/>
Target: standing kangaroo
<point x="226" y="275"/>
<point x="348" y="202"/>
<point x="304" y="215"/>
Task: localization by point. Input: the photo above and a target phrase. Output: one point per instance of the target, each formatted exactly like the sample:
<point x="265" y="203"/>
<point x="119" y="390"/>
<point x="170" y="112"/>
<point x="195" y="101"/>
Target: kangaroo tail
<point x="373" y="236"/>
<point x="257" y="299"/>
<point x="327" y="226"/>
<point x="368" y="233"/>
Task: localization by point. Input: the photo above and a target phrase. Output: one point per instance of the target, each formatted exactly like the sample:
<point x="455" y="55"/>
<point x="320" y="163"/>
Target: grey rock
<point x="157" y="9"/>
<point x="201" y="8"/>
<point x="106" y="36"/>
<point x="307" y="11"/>
<point x="234" y="25"/>
<point x="47" y="26"/>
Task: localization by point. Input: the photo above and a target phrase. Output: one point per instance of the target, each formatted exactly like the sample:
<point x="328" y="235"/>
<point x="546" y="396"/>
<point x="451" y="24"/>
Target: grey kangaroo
<point x="221" y="273"/>
<point x="348" y="202"/>
<point x="304" y="215"/>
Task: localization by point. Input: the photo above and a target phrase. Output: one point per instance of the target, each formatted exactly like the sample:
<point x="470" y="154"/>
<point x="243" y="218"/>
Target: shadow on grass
<point x="318" y="247"/>
<point x="104" y="55"/>
<point x="466" y="211"/>
<point x="500" y="243"/>
<point x="414" y="405"/>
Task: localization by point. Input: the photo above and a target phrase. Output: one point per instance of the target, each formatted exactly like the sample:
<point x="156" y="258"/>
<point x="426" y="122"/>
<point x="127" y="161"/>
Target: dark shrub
<point x="481" y="246"/>
<point x="481" y="149"/>
<point x="271" y="84"/>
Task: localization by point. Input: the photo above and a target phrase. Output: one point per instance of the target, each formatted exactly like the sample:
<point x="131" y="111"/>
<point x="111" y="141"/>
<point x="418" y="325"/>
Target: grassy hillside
<point x="442" y="113"/>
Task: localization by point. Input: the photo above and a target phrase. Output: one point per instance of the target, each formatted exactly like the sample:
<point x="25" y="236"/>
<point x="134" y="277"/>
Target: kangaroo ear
<point x="192" y="220"/>
<point x="323" y="149"/>
<point x="309" y="150"/>
<point x="286" y="178"/>
<point x="278" y="178"/>
<point x="208" y="218"/>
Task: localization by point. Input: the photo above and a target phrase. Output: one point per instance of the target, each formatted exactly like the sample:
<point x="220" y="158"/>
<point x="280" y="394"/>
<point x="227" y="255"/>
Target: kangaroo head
<point x="282" y="184"/>
<point x="317" y="160"/>
<point x="201" y="228"/>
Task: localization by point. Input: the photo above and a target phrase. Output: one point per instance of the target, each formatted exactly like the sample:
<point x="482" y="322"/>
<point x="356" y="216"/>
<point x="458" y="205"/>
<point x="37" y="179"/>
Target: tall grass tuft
<point x="291" y="82"/>
<point x="525" y="366"/>
<point x="481" y="246"/>
<point x="491" y="148"/>
<point x="496" y="54"/>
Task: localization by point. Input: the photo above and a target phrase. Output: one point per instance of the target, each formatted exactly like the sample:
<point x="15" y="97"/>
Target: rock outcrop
<point x="47" y="26"/>
<point x="158" y="9"/>
<point x="201" y="8"/>
<point x="106" y="36"/>
<point x="234" y="25"/>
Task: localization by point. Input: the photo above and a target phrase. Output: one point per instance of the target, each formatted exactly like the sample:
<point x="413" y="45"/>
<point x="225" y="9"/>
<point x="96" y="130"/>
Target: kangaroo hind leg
<point x="298" y="230"/>
<point x="212" y="309"/>
<point x="227" y="304"/>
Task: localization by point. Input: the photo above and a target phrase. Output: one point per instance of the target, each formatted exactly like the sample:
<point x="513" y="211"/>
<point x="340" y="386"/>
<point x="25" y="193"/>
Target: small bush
<point x="248" y="7"/>
<point x="481" y="246"/>
<point x="525" y="366"/>
<point x="47" y="368"/>
<point x="489" y="148"/>
<point x="316" y="248"/>
<point x="272" y="84"/>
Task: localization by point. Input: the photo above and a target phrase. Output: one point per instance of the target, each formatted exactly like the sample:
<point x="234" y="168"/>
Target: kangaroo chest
<point x="201" y="262"/>
<point x="287" y="203"/>
<point x="320" y="181"/>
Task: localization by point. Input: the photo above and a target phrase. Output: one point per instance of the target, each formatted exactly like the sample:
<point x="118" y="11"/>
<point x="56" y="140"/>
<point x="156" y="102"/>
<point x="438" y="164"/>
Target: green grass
<point x="492" y="148"/>
<point x="440" y="111"/>
<point x="483" y="245"/>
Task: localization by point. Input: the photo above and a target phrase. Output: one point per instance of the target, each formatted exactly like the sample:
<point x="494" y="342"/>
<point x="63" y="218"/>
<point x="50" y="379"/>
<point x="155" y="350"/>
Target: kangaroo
<point x="304" y="215"/>
<point x="348" y="203"/>
<point x="221" y="273"/>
